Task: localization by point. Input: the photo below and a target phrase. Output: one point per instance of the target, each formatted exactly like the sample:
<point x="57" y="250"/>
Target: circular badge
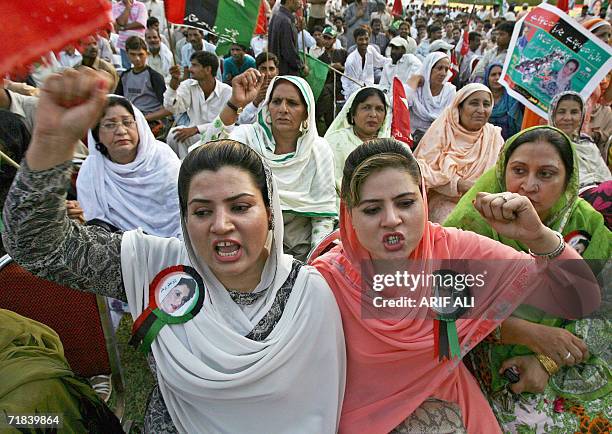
<point x="449" y="294"/>
<point x="176" y="295"/>
<point x="579" y="240"/>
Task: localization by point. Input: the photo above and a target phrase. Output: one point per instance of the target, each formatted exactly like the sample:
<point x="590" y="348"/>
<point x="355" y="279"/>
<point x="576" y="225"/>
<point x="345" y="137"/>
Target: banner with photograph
<point x="550" y="53"/>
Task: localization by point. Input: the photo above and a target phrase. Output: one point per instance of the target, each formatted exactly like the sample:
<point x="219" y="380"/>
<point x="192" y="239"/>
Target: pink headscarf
<point x="391" y="365"/>
<point x="450" y="152"/>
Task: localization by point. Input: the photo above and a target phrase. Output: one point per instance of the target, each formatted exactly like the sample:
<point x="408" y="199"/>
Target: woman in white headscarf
<point x="365" y="116"/>
<point x="129" y="178"/>
<point x="285" y="135"/>
<point x="430" y="93"/>
<point x="265" y="351"/>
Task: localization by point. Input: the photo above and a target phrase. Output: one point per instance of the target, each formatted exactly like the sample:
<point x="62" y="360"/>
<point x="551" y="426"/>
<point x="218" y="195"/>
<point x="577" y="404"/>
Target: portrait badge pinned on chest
<point x="176" y="295"/>
<point x="579" y="240"/>
<point x="451" y="298"/>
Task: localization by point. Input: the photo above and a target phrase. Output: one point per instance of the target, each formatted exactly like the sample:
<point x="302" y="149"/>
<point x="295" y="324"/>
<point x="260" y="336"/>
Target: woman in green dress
<point x="563" y="365"/>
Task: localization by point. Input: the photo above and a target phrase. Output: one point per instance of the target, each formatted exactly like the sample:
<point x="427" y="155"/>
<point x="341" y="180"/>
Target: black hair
<point x="574" y="61"/>
<point x="189" y="283"/>
<point x="317" y="28"/>
<point x="205" y="59"/>
<point x="558" y="140"/>
<point x="263" y="57"/>
<point x="473" y="35"/>
<point x="136" y="43"/>
<point x="375" y="20"/>
<point x="151" y="21"/>
<point x="361" y="96"/>
<point x="111" y="101"/>
<point x="218" y="154"/>
<point x="360" y="31"/>
<point x="433" y="28"/>
<point x="506" y="27"/>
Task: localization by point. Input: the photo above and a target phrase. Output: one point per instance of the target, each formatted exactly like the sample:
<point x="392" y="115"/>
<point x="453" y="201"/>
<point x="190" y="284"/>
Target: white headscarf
<point x="425" y="105"/>
<point x="341" y="137"/>
<point x="214" y="379"/>
<point x="305" y="178"/>
<point x="143" y="193"/>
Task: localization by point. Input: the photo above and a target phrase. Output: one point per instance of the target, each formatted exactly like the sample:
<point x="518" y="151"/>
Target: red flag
<point x="32" y="29"/>
<point x="398" y="9"/>
<point x="262" y="20"/>
<point x="400" y="124"/>
<point x="465" y="45"/>
<point x="563" y="5"/>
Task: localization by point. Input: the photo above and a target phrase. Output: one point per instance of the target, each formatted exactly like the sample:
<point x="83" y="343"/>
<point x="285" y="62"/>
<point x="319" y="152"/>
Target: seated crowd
<point x="285" y="205"/>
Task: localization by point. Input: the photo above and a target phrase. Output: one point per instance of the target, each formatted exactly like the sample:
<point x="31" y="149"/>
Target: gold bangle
<point x="549" y="365"/>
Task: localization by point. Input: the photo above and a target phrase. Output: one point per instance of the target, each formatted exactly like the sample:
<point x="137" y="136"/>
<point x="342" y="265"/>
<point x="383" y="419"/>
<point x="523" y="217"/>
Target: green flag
<point x="317" y="75"/>
<point x="231" y="20"/>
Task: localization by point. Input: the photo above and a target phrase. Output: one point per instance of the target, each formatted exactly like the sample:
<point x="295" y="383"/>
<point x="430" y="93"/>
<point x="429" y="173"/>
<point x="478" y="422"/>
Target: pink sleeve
<point x="116" y="10"/>
<point x="143" y="15"/>
<point x="563" y="287"/>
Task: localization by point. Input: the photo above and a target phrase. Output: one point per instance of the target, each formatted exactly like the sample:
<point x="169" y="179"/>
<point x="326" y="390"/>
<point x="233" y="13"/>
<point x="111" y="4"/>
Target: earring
<point x="304" y="125"/>
<point x="268" y="119"/>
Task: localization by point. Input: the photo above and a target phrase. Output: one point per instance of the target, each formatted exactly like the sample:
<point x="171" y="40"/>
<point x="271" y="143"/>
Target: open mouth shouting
<point x="227" y="250"/>
<point x="393" y="241"/>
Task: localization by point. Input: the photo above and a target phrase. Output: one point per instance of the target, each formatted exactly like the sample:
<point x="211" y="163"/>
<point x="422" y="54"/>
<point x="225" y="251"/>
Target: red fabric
<point x="33" y="29"/>
<point x="175" y="11"/>
<point x="400" y="124"/>
<point x="72" y="314"/>
<point x="563" y="5"/>
<point x="398" y="9"/>
<point x="465" y="46"/>
<point x="262" y="21"/>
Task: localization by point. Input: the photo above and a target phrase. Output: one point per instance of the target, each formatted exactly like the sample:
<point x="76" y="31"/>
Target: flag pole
<point x="9" y="160"/>
<point x="171" y="41"/>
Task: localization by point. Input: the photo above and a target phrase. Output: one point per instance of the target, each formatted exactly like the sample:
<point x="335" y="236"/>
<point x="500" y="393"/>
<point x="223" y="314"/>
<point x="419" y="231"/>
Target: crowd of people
<point x="143" y="148"/>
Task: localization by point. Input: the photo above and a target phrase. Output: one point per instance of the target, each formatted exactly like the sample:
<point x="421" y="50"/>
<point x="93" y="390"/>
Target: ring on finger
<point x="568" y="355"/>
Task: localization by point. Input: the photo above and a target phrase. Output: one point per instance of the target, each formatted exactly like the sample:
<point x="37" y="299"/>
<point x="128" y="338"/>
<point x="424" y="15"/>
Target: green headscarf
<point x="569" y="213"/>
<point x="588" y="380"/>
<point x="35" y="379"/>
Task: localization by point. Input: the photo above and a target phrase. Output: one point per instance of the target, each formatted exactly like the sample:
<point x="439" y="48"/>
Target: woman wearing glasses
<point x="129" y="179"/>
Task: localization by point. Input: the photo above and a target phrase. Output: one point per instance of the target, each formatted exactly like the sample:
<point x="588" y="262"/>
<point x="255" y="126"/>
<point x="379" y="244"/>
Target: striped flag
<point x="232" y="21"/>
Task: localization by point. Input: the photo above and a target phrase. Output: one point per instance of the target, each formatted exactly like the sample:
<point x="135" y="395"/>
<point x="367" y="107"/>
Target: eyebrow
<point x="408" y="193"/>
<point x="229" y="199"/>
<point x="546" y="166"/>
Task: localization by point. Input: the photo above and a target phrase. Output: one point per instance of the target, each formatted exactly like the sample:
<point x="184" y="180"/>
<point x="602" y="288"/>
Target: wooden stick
<point x="171" y="41"/>
<point x="9" y="160"/>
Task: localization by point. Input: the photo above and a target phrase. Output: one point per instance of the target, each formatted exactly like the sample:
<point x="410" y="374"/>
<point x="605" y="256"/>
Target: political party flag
<point x="33" y="29"/>
<point x="398" y="9"/>
<point x="317" y="74"/>
<point x="262" y="20"/>
<point x="400" y="123"/>
<point x="563" y="5"/>
<point x="232" y="21"/>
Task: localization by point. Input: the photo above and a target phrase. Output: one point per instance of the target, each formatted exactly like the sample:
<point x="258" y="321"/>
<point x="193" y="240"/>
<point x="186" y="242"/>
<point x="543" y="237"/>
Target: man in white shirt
<point x="360" y="63"/>
<point x="160" y="56"/>
<point x="201" y="97"/>
<point x="70" y="57"/>
<point x="259" y="44"/>
<point x="404" y="64"/>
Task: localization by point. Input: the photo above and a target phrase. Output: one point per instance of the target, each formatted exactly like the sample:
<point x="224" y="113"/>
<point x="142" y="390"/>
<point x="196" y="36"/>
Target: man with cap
<point x="336" y="58"/>
<point x="404" y="64"/>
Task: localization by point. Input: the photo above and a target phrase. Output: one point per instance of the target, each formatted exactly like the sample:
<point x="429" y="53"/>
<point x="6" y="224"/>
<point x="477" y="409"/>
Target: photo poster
<point x="550" y="53"/>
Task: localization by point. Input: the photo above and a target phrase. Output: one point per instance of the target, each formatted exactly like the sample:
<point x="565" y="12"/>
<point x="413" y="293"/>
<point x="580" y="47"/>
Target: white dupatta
<point x="215" y="380"/>
<point x="141" y="194"/>
<point x="305" y="178"/>
<point x="425" y="105"/>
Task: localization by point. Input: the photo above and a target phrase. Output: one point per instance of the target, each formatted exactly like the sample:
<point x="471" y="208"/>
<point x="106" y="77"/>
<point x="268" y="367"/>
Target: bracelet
<point x="234" y="107"/>
<point x="549" y="365"/>
<point x="552" y="255"/>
